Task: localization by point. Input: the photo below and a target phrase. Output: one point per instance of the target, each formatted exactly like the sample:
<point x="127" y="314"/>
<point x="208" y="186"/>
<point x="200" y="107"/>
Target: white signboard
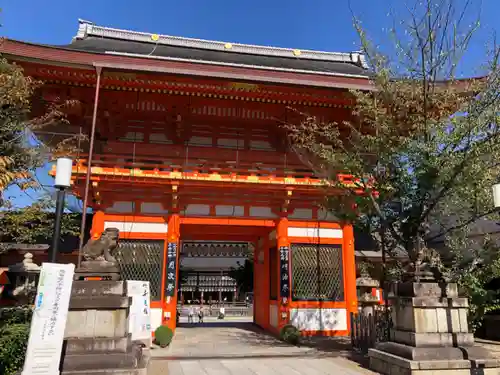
<point x="49" y="319"/>
<point x="139" y="324"/>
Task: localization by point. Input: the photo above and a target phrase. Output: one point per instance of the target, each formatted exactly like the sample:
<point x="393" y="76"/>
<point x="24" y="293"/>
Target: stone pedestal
<point x="96" y="337"/>
<point x="429" y="334"/>
<point x="98" y="270"/>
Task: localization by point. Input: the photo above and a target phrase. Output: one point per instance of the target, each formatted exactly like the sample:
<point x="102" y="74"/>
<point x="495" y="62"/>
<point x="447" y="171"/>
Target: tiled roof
<point x="105" y="40"/>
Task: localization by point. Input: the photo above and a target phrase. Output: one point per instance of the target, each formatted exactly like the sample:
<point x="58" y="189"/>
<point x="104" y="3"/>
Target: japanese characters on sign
<point x="140" y="311"/>
<point x="284" y="272"/>
<point x="49" y="319"/>
<point x="171" y="277"/>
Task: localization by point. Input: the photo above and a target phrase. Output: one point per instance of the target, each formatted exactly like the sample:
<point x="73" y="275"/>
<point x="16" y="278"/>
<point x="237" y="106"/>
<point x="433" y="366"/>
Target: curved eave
<point x="64" y="57"/>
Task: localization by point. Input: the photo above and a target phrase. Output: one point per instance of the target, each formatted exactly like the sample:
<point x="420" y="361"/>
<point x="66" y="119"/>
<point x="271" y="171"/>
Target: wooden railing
<point x="258" y="165"/>
<point x="368" y="330"/>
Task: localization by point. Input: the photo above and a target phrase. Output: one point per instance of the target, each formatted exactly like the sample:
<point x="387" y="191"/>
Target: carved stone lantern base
<point x="430" y="333"/>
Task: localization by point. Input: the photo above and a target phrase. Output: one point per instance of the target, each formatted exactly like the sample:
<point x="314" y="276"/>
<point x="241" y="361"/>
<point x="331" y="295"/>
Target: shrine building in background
<point x="186" y="147"/>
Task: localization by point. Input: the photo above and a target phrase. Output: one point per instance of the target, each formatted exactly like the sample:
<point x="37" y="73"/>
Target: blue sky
<point x="314" y="24"/>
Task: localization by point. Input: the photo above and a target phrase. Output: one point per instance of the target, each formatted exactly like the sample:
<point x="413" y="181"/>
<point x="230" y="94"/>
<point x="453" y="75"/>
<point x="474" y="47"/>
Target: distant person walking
<point x="222" y="312"/>
<point x="191" y="315"/>
<point x="200" y="315"/>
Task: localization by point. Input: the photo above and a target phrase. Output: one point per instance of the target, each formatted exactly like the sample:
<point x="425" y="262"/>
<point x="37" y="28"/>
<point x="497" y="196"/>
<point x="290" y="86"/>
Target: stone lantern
<point x="24" y="277"/>
<point x="366" y="299"/>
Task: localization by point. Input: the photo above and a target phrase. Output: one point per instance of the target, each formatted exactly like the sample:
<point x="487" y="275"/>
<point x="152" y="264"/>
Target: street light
<point x="64" y="168"/>
<point x="496" y="195"/>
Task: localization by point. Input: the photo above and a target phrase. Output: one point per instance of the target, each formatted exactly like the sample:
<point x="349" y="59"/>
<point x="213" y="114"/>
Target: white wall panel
<point x="319" y="319"/>
<point x="137" y="227"/>
<point x="315" y="232"/>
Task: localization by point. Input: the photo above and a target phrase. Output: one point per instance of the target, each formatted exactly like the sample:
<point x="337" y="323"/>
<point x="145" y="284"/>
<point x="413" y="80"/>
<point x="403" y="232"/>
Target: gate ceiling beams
<point x="215" y="249"/>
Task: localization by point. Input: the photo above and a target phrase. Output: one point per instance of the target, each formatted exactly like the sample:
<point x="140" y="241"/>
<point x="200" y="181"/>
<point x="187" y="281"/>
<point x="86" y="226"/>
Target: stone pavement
<point x="256" y="366"/>
<point x="240" y="348"/>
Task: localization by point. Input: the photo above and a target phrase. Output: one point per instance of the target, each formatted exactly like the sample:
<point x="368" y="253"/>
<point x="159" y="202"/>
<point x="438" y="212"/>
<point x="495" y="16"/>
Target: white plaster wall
<point x="136" y="227"/>
<point x="230" y="143"/>
<point x="120" y="207"/>
<point x="133" y="137"/>
<point x="273" y="315"/>
<point x="197" y="210"/>
<point x="315" y="232"/>
<point x="261" y="145"/>
<point x="200" y="141"/>
<point x="264" y="212"/>
<point x="159" y="138"/>
<point x="301" y="213"/>
<point x="319" y="319"/>
<point x="152" y="208"/>
<point x="224" y="210"/>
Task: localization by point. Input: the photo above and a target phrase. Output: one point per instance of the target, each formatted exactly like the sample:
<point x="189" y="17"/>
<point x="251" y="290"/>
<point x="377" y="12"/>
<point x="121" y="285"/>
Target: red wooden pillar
<point x="266" y="287"/>
<point x="257" y="283"/>
<point x="351" y="297"/>
<point x="284" y="274"/>
<point x="171" y="272"/>
<point x="97" y="224"/>
<point x="261" y="285"/>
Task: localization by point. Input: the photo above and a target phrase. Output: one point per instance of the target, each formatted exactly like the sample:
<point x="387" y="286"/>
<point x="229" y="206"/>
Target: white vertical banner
<point x="139" y="324"/>
<point x="48" y="323"/>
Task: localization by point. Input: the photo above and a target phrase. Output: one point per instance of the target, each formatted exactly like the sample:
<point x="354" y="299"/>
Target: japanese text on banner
<point x="171" y="277"/>
<point x="284" y="271"/>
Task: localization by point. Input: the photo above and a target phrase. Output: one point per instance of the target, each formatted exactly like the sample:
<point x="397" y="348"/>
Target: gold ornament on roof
<point x="155" y="37"/>
<point x="228" y="46"/>
<point x="296" y="52"/>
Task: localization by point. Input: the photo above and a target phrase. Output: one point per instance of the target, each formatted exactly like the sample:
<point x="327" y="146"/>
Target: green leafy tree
<point x="422" y="146"/>
<point x="21" y="153"/>
<point x="34" y="223"/>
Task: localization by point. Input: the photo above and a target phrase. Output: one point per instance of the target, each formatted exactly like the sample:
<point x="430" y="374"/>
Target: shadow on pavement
<point x="262" y="344"/>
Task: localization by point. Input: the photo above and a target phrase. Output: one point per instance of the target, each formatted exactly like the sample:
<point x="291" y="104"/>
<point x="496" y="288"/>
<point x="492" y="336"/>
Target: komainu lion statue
<point x="101" y="249"/>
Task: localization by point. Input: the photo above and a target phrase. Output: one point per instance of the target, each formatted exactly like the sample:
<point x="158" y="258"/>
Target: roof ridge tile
<point x="89" y="29"/>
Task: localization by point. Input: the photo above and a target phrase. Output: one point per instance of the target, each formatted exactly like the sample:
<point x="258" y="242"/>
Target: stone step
<point x="82" y="345"/>
<point x="101" y="361"/>
<point x="138" y="371"/>
<point x="110" y="302"/>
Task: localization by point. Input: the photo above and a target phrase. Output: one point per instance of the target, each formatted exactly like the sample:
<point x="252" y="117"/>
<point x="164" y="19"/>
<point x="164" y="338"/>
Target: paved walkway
<point x="240" y="348"/>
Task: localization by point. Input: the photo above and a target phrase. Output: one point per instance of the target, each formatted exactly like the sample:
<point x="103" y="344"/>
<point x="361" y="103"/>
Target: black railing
<point x="369" y="329"/>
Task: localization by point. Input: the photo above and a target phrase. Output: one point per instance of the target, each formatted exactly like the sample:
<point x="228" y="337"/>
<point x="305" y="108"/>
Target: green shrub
<point x="13" y="343"/>
<point x="290" y="334"/>
<point x="15" y="315"/>
<point x="163" y="336"/>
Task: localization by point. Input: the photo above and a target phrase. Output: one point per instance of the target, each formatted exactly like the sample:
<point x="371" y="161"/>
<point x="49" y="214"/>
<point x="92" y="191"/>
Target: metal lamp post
<point x="64" y="168"/>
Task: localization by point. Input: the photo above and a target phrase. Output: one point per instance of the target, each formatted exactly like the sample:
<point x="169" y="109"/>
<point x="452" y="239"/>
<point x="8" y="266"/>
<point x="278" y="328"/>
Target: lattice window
<point x="317" y="272"/>
<point x="142" y="260"/>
